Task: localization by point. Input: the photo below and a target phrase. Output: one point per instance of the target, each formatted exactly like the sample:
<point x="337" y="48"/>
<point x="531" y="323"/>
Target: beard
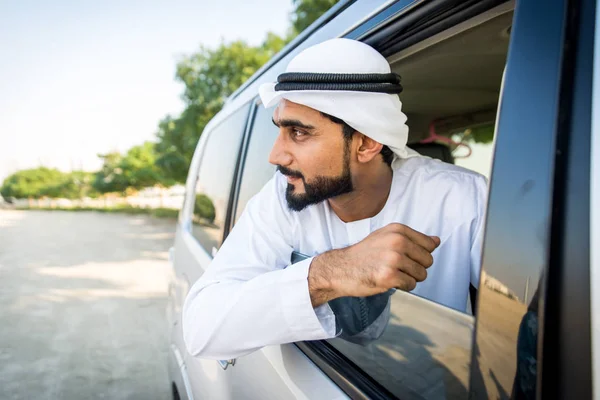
<point x="320" y="188"/>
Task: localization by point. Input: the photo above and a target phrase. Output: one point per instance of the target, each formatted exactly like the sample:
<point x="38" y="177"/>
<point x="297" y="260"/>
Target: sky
<point x="78" y="78"/>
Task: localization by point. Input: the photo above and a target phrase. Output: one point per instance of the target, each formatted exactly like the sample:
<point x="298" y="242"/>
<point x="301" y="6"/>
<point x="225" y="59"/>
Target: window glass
<point x="257" y="170"/>
<point x="413" y="346"/>
<point x="215" y="176"/>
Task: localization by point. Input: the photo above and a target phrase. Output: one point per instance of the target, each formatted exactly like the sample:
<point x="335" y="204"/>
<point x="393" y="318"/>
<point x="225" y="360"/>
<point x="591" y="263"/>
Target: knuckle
<point x="396" y="227"/>
<point x="392" y="258"/>
<point x="384" y="276"/>
<point x="398" y="241"/>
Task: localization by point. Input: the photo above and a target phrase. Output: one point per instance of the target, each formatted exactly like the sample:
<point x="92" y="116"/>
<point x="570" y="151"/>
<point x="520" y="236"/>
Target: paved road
<point x="82" y="305"/>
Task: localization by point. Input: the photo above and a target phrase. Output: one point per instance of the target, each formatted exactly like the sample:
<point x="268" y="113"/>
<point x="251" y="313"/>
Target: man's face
<point x="312" y="153"/>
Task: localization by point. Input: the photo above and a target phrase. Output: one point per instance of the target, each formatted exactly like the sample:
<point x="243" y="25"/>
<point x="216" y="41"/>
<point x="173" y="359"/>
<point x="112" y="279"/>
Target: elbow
<point x="200" y="328"/>
<point x="196" y="333"/>
<point x="195" y="344"/>
<point x="205" y="333"/>
<point x="198" y="343"/>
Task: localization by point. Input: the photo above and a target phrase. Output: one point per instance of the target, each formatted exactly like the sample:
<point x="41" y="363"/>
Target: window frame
<point x="401" y="15"/>
<point x="191" y="184"/>
<point x="345" y="373"/>
<point x="351" y="379"/>
<point x="241" y="164"/>
<point x="565" y="357"/>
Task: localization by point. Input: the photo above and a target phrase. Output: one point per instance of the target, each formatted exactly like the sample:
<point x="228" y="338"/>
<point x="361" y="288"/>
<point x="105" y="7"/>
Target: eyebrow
<point x="291" y="122"/>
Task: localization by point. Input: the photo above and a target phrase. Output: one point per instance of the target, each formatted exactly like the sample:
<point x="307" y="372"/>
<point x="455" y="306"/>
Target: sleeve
<point x="481" y="193"/>
<point x="250" y="297"/>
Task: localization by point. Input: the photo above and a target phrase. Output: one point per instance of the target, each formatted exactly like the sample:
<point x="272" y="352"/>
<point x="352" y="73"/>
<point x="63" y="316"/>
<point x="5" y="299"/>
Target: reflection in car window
<point x="424" y="351"/>
<point x="214" y="180"/>
<point x="257" y="170"/>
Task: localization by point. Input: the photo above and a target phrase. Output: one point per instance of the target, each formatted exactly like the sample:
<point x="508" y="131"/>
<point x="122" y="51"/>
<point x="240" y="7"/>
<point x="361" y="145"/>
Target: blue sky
<point x="79" y="78"/>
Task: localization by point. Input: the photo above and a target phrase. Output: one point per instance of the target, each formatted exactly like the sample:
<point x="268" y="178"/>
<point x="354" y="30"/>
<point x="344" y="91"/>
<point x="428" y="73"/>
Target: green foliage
<point x="307" y="11"/>
<point x="136" y="169"/>
<point x="479" y="134"/>
<point x="165" y="212"/>
<point x="109" y="178"/>
<point x="204" y="208"/>
<point x="123" y="209"/>
<point x="209" y="76"/>
<point x="48" y="182"/>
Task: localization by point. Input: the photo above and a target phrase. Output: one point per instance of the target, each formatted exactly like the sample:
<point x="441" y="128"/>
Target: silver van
<point x="502" y="87"/>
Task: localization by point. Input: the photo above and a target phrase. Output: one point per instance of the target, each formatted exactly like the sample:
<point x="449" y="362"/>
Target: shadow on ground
<point x="83" y="304"/>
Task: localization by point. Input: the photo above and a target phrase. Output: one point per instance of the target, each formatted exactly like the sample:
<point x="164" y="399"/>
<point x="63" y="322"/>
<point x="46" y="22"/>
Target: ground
<point x="82" y="305"/>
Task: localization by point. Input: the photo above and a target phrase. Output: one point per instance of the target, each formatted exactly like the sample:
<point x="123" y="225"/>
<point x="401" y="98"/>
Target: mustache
<point x="289" y="172"/>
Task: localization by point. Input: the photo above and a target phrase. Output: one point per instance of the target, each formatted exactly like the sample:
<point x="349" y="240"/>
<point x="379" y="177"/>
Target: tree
<point x="204" y="208"/>
<point x="136" y="169"/>
<point x="140" y="169"/>
<point x="110" y="176"/>
<point x="209" y="76"/>
<point x="30" y="183"/>
<point x="47" y="182"/>
<point x="307" y="11"/>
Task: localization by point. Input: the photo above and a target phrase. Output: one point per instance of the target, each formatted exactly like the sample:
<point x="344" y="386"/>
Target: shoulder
<point x="458" y="192"/>
<point x="446" y="175"/>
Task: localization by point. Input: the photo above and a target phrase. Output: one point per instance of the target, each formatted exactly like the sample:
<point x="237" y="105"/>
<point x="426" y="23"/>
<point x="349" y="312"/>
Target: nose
<point x="279" y="155"/>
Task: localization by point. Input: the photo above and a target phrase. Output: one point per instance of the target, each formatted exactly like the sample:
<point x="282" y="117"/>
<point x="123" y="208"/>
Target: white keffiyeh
<point x="376" y="115"/>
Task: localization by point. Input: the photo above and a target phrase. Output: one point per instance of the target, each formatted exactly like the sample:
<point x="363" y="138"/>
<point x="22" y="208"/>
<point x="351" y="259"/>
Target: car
<point x="502" y="87"/>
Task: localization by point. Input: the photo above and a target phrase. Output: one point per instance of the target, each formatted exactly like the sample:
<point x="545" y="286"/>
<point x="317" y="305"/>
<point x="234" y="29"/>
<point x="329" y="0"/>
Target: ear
<point x="368" y="148"/>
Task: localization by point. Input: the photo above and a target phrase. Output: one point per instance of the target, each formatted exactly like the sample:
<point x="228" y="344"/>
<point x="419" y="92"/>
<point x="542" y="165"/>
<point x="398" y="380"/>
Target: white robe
<point x="250" y="296"/>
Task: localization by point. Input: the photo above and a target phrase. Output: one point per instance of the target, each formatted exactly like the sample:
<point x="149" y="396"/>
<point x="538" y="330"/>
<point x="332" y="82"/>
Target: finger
<point x="425" y="241"/>
<point x="418" y="254"/>
<point x="413" y="268"/>
<point x="404" y="282"/>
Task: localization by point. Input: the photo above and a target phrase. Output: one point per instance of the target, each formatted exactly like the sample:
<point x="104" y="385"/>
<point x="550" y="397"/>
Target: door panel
<point x="206" y="377"/>
<point x="281" y="372"/>
<point x="516" y="246"/>
<point x="200" y="232"/>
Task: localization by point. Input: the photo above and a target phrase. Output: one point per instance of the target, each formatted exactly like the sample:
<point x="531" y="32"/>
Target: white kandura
<point x="251" y="297"/>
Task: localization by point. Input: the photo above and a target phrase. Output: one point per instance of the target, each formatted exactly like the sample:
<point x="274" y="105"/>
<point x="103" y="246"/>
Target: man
<point x="372" y="215"/>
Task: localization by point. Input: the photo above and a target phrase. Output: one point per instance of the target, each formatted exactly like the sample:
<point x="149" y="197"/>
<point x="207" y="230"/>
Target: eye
<point x="296" y="133"/>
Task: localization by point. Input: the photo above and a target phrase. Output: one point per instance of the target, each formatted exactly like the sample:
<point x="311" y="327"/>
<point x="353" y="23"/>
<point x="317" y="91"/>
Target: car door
<point x="274" y="372"/>
<point x="521" y="226"/>
<point x="424" y="353"/>
<point x="199" y="234"/>
<point x="538" y="344"/>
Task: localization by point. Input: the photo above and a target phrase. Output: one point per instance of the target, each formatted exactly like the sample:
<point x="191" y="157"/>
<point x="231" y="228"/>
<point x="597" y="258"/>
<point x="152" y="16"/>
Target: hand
<point x="394" y="256"/>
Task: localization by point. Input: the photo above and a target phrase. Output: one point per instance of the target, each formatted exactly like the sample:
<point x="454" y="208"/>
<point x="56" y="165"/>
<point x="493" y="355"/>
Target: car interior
<point x="452" y="85"/>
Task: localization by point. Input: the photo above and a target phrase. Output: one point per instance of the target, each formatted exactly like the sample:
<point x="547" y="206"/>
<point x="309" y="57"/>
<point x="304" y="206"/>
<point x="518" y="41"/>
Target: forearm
<point x="322" y="277"/>
<point x="230" y="319"/>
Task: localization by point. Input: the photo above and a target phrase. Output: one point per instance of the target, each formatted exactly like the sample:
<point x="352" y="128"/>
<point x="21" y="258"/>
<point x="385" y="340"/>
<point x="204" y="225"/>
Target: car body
<point x="530" y="71"/>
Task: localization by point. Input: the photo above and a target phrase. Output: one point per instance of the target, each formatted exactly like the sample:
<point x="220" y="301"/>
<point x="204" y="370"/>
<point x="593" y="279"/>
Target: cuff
<point x="314" y="323"/>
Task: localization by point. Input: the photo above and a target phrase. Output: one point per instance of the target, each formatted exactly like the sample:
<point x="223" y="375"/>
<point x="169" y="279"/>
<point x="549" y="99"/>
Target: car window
<point x="257" y="170"/>
<point x="417" y="348"/>
<point x="215" y="176"/>
<point x="420" y="349"/>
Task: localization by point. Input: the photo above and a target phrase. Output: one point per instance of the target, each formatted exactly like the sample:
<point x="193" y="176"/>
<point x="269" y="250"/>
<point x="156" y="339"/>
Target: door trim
<point x="595" y="215"/>
<point x="565" y="357"/>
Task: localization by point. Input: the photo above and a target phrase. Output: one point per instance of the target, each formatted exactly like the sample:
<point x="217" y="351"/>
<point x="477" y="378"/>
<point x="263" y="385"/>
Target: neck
<point x="371" y="191"/>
